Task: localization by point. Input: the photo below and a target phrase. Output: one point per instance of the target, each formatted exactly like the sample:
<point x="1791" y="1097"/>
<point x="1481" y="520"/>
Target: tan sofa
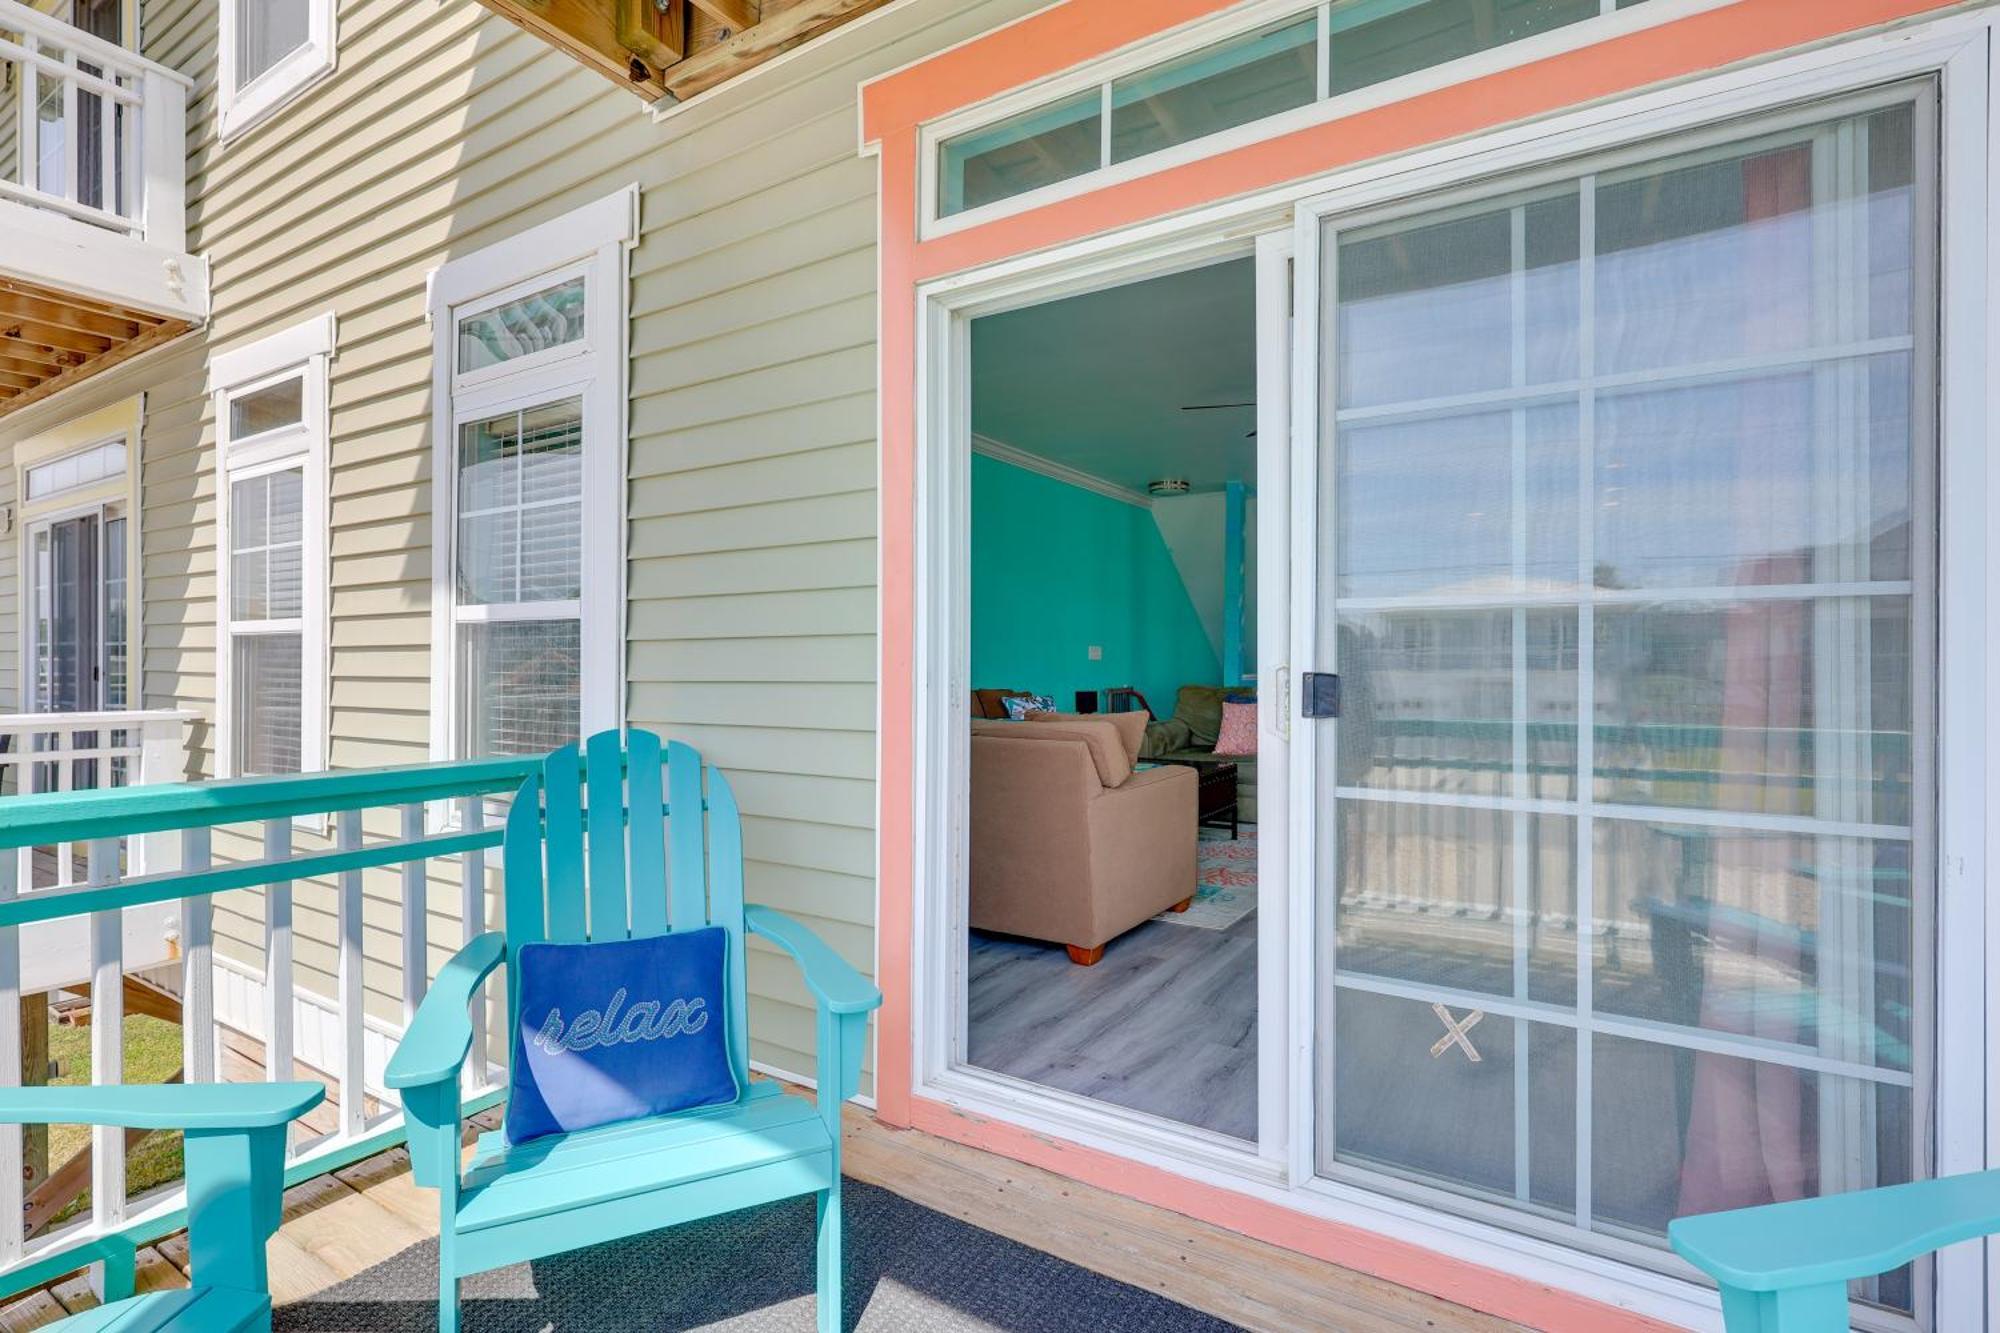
<point x="1070" y="843"/>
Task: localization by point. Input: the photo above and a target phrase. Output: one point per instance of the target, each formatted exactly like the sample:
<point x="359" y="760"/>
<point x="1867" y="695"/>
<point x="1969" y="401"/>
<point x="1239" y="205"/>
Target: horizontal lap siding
<point x="752" y="606"/>
<point x="752" y="418"/>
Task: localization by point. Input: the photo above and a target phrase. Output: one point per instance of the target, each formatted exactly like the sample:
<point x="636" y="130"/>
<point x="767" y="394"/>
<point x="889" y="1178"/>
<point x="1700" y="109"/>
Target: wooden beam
<point x="656" y="35"/>
<point x="735" y="15"/>
<point x="47" y="335"/>
<point x="74" y="318"/>
<point x="773" y="35"/>
<point x="588" y="31"/>
<point x="124" y="351"/>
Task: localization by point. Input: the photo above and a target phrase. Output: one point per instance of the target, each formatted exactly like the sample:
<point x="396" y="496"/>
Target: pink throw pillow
<point x="1239" y="730"/>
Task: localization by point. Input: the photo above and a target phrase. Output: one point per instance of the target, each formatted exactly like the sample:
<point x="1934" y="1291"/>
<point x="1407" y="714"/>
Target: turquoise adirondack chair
<point x="235" y="1155"/>
<point x="1784" y="1267"/>
<point x="598" y="847"/>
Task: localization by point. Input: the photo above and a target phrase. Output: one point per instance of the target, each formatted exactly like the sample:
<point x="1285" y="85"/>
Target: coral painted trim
<point x="1486" y="1290"/>
<point x="1066" y="35"/>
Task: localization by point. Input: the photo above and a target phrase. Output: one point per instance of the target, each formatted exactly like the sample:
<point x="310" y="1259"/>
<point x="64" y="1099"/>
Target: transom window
<point x="1320" y="52"/>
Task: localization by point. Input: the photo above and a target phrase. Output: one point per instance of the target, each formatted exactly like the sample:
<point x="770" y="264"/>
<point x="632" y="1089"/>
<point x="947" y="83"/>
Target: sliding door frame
<point x="939" y="1019"/>
<point x="1950" y="1109"/>
<point x="1955" y="49"/>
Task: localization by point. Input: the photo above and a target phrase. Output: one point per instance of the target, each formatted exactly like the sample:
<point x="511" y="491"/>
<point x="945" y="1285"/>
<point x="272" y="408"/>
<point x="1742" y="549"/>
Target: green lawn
<point x="152" y="1055"/>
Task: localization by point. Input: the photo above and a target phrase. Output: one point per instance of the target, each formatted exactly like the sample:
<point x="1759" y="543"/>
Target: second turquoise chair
<point x="617" y="840"/>
<point x="1784" y="1267"/>
<point x="234" y="1146"/>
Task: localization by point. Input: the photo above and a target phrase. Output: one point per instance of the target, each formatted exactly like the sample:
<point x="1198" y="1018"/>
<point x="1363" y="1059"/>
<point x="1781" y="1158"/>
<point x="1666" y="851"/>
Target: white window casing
<point x="269" y="51"/>
<point x="528" y="463"/>
<point x="271" y="424"/>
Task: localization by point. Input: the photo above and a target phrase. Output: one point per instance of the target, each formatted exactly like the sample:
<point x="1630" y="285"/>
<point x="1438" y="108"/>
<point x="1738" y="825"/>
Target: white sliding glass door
<point x="1625" y="560"/>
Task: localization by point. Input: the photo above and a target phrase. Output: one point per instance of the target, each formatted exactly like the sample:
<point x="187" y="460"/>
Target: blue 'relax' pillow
<point x="619" y="1030"/>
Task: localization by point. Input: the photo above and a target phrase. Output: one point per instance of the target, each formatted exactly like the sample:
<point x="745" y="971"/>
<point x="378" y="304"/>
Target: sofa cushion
<point x="1131" y="726"/>
<point x="1239" y="730"/>
<point x="989" y="703"/>
<point x="1200" y="708"/>
<point x="1106" y="746"/>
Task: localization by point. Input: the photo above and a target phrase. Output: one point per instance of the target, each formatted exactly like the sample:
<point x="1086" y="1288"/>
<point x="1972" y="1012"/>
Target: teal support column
<point x="1232" y="583"/>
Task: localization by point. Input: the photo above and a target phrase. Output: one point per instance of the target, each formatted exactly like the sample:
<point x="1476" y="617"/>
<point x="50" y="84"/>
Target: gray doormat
<point x="908" y="1270"/>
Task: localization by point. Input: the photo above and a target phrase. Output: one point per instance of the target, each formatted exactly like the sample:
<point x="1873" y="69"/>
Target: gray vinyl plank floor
<point x="1166" y="1023"/>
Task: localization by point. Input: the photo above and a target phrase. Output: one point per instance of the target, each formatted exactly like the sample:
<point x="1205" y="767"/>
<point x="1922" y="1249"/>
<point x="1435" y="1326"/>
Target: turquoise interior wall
<point x="1056" y="569"/>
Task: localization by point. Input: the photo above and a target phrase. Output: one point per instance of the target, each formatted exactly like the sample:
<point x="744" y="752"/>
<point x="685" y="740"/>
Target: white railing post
<point x="198" y="1034"/>
<point x="107" y="1042"/>
<point x="278" y="990"/>
<point x="162" y="203"/>
<point x="416" y="918"/>
<point x="353" y="999"/>
<point x="472" y="924"/>
<point x="162" y="758"/>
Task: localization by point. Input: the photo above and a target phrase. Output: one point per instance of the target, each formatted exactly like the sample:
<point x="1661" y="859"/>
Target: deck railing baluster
<point x="278" y="986"/>
<point x="13" y="1159"/>
<point x="107" y="1036"/>
<point x="353" y="1000"/>
<point x="472" y="923"/>
<point x="134" y="828"/>
<point x="197" y="966"/>
<point x="416" y="917"/>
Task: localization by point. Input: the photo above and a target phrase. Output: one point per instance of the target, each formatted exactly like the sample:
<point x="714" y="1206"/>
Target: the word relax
<point x="644" y="1021"/>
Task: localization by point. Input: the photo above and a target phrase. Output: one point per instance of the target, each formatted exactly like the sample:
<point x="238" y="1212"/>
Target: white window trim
<point x="305" y="349"/>
<point x="593" y="241"/>
<point x="242" y="107"/>
<point x="1239" y="21"/>
<point x="1955" y="46"/>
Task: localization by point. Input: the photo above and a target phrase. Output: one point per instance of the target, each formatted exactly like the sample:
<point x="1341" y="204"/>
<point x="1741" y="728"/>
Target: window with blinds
<point x="271" y="653"/>
<point x="519" y="578"/>
<point x="527" y="448"/>
<point x="266" y="563"/>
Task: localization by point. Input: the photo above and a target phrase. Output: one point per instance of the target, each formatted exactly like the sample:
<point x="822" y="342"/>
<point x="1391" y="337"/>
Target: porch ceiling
<point x="674" y="49"/>
<point x="51" y="339"/>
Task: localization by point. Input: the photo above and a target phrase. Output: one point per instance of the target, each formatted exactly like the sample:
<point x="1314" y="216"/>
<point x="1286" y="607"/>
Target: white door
<point x="1622" y="548"/>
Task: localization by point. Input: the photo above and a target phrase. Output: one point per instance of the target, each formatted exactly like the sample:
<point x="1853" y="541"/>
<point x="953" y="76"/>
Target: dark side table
<point x="1214" y="792"/>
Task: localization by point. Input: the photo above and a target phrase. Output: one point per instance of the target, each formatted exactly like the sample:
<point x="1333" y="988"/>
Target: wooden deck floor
<point x="339" y="1225"/>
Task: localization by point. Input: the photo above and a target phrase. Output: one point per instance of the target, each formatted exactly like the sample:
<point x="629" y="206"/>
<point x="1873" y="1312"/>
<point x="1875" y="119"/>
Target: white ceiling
<point x="1097" y="382"/>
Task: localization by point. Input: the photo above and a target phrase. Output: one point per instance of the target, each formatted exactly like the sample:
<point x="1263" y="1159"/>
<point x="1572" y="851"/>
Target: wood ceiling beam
<point x="27" y="330"/>
<point x="75" y="319"/>
<point x="10" y="287"/>
<point x="770" y="36"/>
<point x="22" y="366"/>
<point x="588" y="31"/>
<point x="48" y="359"/>
<point x="736" y="15"/>
<point x="124" y="351"/>
<point x="8" y="377"/>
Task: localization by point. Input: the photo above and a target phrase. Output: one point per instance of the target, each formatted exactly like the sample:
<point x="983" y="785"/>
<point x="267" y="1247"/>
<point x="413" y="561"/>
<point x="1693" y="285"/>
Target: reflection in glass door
<point x="1625" y="544"/>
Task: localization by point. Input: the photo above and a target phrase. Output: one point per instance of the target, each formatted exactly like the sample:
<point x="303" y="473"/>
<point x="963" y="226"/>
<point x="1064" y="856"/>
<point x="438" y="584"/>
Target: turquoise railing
<point x="366" y="835"/>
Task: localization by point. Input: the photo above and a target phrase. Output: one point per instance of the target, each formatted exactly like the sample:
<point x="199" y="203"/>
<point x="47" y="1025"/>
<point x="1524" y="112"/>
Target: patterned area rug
<point x="1228" y="874"/>
<point x="909" y="1270"/>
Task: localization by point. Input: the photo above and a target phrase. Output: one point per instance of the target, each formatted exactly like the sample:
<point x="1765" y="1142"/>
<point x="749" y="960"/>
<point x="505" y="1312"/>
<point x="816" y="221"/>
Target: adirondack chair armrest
<point x="1830" y="1241"/>
<point x="212" y="1107"/>
<point x="440" y="1036"/>
<point x="833" y="982"/>
<point x="118" y="1254"/>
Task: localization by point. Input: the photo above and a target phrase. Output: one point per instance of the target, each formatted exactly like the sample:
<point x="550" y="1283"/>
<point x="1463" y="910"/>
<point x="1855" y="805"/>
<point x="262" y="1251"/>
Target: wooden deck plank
<point x="1233" y="1277"/>
<point x="343" y="1224"/>
<point x="36" y="1311"/>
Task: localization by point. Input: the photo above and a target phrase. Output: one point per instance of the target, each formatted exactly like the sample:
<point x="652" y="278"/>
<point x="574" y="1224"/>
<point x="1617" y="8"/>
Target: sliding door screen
<point x="1626" y="562"/>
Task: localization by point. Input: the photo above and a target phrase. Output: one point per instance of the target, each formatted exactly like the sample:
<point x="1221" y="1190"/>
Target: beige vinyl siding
<point x="752" y="504"/>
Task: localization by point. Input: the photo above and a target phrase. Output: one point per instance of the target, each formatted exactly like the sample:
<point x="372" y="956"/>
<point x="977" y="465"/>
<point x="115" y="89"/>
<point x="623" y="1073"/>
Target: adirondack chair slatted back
<point x="610" y="842"/>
